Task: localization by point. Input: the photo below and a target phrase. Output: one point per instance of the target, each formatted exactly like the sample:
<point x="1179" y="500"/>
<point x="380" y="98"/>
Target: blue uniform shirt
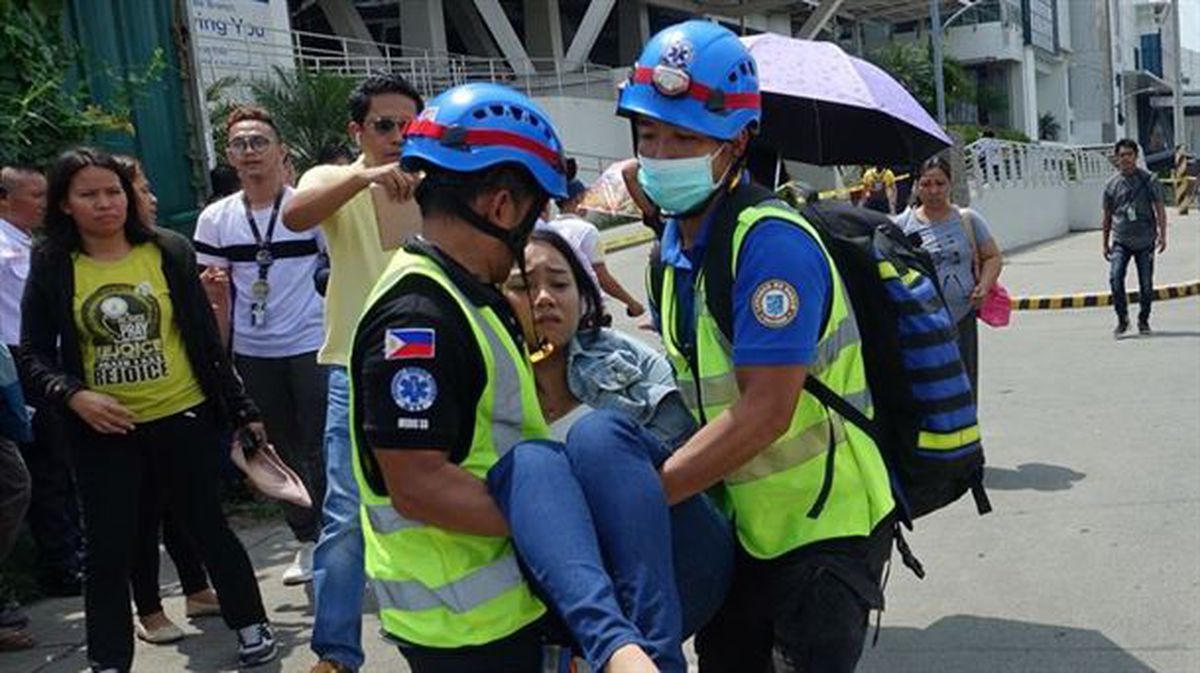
<point x="779" y="294"/>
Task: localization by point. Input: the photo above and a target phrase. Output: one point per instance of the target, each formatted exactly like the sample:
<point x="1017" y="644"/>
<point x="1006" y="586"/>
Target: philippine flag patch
<point x="409" y="342"/>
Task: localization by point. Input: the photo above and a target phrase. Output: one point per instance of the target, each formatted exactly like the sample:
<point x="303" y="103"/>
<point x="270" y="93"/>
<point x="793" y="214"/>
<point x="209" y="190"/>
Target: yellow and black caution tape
<point x="1089" y="300"/>
<point x="1034" y="303"/>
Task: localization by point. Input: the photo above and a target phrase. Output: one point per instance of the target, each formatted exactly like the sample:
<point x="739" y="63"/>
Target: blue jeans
<point x="338" y="575"/>
<point x="593" y="530"/>
<point x="1145" y="270"/>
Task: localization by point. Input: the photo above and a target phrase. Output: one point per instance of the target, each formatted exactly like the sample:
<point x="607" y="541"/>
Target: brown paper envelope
<point x="397" y="220"/>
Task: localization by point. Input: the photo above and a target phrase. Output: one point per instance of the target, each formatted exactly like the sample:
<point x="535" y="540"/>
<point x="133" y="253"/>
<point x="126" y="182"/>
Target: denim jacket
<point x="609" y="370"/>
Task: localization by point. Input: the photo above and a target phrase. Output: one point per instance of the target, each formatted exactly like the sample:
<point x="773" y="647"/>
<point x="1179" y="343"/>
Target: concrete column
<point x="589" y="29"/>
<point x="780" y="22"/>
<point x="1029" y="93"/>
<point x="423" y="25"/>
<point x="543" y="29"/>
<point x="346" y="22"/>
<point x="471" y="29"/>
<point x="506" y="38"/>
<point x="633" y="29"/>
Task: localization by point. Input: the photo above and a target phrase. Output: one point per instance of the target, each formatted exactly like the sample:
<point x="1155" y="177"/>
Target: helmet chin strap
<point x="515" y="240"/>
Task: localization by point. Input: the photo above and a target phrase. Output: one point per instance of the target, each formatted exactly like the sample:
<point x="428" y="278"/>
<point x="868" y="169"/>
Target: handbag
<point x="996" y="308"/>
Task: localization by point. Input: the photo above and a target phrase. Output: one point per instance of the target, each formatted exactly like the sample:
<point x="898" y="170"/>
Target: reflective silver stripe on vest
<point x="385" y="519"/>
<point x="829" y="348"/>
<point x="810" y="443"/>
<point x="785" y="454"/>
<point x="508" y="415"/>
<point x="715" y="390"/>
<point x="860" y="400"/>
<point x="723" y="390"/>
<point x="462" y="595"/>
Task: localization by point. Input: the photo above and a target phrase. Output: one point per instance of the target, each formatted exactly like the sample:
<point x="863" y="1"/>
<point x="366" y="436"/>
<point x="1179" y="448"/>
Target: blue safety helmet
<point x="476" y="126"/>
<point x="697" y="75"/>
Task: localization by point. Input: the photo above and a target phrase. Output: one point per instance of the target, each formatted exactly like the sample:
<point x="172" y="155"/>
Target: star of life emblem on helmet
<point x="671" y="77"/>
<point x="679" y="53"/>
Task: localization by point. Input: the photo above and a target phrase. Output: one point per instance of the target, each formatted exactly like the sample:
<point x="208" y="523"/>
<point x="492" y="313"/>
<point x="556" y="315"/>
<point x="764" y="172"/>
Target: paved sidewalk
<point x="1089" y="562"/>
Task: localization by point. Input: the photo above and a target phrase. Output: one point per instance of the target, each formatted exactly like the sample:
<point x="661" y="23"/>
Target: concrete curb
<point x="1031" y="303"/>
<point x="626" y="241"/>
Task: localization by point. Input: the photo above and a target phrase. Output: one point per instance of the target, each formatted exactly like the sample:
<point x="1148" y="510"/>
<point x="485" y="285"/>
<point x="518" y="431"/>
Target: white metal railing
<point x="998" y="164"/>
<point x="430" y="72"/>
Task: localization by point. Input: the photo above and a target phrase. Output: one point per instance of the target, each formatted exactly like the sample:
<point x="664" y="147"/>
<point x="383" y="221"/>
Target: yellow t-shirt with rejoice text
<point x="131" y="346"/>
<point x="360" y="237"/>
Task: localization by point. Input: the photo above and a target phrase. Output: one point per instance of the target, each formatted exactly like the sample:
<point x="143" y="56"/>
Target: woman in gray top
<point x="967" y="258"/>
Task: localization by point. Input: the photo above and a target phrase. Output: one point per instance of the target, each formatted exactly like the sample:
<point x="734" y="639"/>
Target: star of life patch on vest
<point x="775" y="303"/>
<point x="414" y="389"/>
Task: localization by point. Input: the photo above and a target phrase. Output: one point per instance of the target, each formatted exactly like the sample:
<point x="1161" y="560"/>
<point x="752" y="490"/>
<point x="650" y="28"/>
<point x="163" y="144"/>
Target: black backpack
<point x="925" y="420"/>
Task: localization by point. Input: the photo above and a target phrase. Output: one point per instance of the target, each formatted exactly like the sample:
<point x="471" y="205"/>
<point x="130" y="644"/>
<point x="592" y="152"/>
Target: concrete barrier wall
<point x="1023" y="215"/>
<point x="1035" y="192"/>
<point x="590" y="128"/>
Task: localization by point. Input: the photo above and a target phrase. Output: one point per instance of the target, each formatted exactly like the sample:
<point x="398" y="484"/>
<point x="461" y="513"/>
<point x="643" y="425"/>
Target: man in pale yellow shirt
<point x="365" y="210"/>
<point x="879" y="190"/>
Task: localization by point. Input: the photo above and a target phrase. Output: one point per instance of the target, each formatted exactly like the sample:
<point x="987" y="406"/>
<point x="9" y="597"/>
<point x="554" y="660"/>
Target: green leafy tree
<point x="1048" y="127"/>
<point x="912" y="65"/>
<point x="42" y="109"/>
<point x="309" y="106"/>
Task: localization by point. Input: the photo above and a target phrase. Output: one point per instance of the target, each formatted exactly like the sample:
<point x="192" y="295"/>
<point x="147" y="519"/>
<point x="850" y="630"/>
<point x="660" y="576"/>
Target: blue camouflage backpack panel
<point x="948" y="427"/>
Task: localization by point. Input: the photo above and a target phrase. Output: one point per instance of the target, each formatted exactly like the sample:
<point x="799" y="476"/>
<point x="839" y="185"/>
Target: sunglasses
<point x="242" y="144"/>
<point x="385" y="125"/>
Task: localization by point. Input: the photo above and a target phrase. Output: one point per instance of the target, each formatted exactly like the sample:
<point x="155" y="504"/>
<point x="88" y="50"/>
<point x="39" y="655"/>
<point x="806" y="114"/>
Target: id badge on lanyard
<point x="261" y="288"/>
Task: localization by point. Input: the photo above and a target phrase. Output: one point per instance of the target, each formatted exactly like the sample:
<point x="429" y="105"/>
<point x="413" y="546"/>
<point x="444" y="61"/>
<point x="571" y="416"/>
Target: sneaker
<point x="157" y="629"/>
<point x="301" y="569"/>
<point x="256" y="644"/>
<point x="328" y="666"/>
<point x="1121" y="328"/>
<point x="1144" y="327"/>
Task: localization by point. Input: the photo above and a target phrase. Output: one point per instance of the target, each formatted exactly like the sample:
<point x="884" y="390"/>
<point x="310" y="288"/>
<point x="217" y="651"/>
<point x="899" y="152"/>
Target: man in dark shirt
<point x="1134" y="220"/>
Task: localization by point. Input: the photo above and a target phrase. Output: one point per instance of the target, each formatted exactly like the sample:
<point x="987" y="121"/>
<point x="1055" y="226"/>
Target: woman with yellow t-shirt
<point x="116" y="327"/>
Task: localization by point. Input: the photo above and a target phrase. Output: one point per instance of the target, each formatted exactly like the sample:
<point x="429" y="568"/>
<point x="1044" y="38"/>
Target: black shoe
<point x="1121" y="328"/>
<point x="256" y="645"/>
<point x="1144" y="327"/>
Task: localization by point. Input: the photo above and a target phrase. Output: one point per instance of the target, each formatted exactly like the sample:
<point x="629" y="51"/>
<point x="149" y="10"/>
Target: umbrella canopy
<point x="822" y="106"/>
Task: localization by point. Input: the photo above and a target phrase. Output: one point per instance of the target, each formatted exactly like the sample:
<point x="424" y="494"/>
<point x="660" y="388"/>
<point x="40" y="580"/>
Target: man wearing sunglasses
<point x="365" y="210"/>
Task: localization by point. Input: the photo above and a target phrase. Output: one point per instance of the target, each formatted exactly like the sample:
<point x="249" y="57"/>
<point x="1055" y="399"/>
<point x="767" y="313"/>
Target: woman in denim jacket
<point x="616" y="415"/>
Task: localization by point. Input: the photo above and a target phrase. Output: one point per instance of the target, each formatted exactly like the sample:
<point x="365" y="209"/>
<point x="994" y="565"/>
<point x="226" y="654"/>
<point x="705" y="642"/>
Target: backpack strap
<point x="968" y="226"/>
<point x="718" y="256"/>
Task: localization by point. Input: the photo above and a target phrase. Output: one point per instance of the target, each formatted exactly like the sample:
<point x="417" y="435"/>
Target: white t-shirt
<point x="14" y="270"/>
<point x="294" y="311"/>
<point x="581" y="234"/>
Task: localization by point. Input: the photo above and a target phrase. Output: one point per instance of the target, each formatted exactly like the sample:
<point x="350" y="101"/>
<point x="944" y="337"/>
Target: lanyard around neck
<point x="258" y="237"/>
